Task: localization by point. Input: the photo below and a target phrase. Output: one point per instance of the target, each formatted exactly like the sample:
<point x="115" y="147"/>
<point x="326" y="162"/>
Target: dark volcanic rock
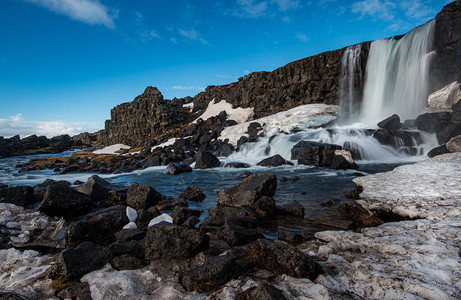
<point x="113" y="217"/>
<point x="236" y="165"/>
<point x="281" y="258"/>
<point x="206" y="160"/>
<point x="142" y="196"/>
<point x="288" y="235"/>
<point x="273" y="161"/>
<point x="177" y="168"/>
<point x="126" y="262"/>
<point x="193" y="193"/>
<point x="391" y="123"/>
<point x="69" y="169"/>
<point x="19" y="195"/>
<point x="293" y="208"/>
<point x="314" y="154"/>
<point x="264" y="291"/>
<point x="64" y="201"/>
<point x="358" y="215"/>
<point x="79" y="232"/>
<point x="73" y="263"/>
<point x="442" y="149"/>
<point x="432" y="122"/>
<point x="238" y="231"/>
<point x="79" y="291"/>
<point x="250" y="191"/>
<point x="181" y="214"/>
<point x="166" y="240"/>
<point x="96" y="187"/>
<point x="341" y="163"/>
<point x="214" y="272"/>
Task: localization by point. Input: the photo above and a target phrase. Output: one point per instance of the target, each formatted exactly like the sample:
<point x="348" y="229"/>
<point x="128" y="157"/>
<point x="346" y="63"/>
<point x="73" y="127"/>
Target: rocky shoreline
<point x="226" y="257"/>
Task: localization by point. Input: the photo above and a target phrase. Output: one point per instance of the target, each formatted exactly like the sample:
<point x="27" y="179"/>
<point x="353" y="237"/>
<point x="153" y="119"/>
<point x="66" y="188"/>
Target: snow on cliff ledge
<point x="304" y="116"/>
<point x="239" y="115"/>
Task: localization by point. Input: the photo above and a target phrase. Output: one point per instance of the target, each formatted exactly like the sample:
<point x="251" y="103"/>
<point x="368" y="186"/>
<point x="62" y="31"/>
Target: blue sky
<point x="65" y="63"/>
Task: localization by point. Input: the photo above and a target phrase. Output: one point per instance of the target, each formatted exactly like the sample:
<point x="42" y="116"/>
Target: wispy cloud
<point x="193" y="35"/>
<point x="87" y="11"/>
<point x="302" y="37"/>
<point x="374" y="8"/>
<point x="415" y="9"/>
<point x="193" y="87"/>
<point x="17" y="125"/>
<point x="285" y="5"/>
<point x="251" y="8"/>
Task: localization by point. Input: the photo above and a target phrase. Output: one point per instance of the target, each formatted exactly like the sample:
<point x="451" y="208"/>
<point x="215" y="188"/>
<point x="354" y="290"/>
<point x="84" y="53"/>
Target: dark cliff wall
<point x="446" y="66"/>
<point x="313" y="79"/>
<point x="140" y="122"/>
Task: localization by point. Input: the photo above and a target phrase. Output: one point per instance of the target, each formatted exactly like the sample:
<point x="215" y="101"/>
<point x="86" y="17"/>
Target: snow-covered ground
<point x="112" y="149"/>
<point x="303" y="117"/>
<point x="240" y="115"/>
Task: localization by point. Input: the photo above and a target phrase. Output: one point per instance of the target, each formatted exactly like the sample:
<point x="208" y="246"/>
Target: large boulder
<point x="238" y="231"/>
<point x="454" y="144"/>
<point x="214" y="272"/>
<point x="166" y="240"/>
<point x="79" y="232"/>
<point x="273" y="161"/>
<point x="73" y="263"/>
<point x="177" y="168"/>
<point x="19" y="195"/>
<point x="142" y="196"/>
<point x="206" y="160"/>
<point x="391" y="123"/>
<point x="193" y="193"/>
<point x="64" y="201"/>
<point x="432" y="122"/>
<point x="314" y="153"/>
<point x="281" y="258"/>
<point x="114" y="217"/>
<point x="181" y="214"/>
<point x="443" y="99"/>
<point x="292" y="208"/>
<point x="96" y="187"/>
<point x="250" y="192"/>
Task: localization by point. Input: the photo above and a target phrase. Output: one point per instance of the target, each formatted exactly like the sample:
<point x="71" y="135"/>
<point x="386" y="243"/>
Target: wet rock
<point x="191" y="222"/>
<point x="409" y="125"/>
<point x="264" y="291"/>
<point x="113" y="217"/>
<point x="181" y="214"/>
<point x="236" y="165"/>
<point x="358" y="215"/>
<point x="281" y="258"/>
<point x="73" y="263"/>
<point x="79" y="232"/>
<point x="153" y="161"/>
<point x="287" y="235"/>
<point x="19" y="195"/>
<point x="177" y="168"/>
<point x="238" y="231"/>
<point x="341" y="163"/>
<point x="274" y="161"/>
<point x="126" y="262"/>
<point x="142" y="196"/>
<point x="313" y="153"/>
<point x="391" y="123"/>
<point x="166" y="240"/>
<point x="64" y="201"/>
<point x="249" y="192"/>
<point x="79" y="291"/>
<point x="206" y="160"/>
<point x="214" y="272"/>
<point x="355" y="193"/>
<point x="193" y="193"/>
<point x="96" y="187"/>
<point x="291" y="179"/>
<point x="255" y="131"/>
<point x="432" y="122"/>
<point x="439" y="150"/>
<point x="292" y="208"/>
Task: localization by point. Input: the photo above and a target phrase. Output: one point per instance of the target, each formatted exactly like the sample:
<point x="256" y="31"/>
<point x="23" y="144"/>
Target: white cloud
<point x="302" y="37"/>
<point x="192" y="34"/>
<point x="148" y="35"/>
<point x="87" y="11"/>
<point x="193" y="87"/>
<point x="374" y="8"/>
<point x="285" y="5"/>
<point x="415" y="9"/>
<point x="17" y="125"/>
<point x="250" y="9"/>
<point x="286" y="19"/>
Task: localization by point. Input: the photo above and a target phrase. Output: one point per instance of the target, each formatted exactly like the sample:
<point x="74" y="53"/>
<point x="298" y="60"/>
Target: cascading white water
<point x="396" y="78"/>
<point x="351" y="71"/>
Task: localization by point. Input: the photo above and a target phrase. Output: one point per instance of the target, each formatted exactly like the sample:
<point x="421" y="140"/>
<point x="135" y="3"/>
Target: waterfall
<point x="349" y="82"/>
<point x="396" y="78"/>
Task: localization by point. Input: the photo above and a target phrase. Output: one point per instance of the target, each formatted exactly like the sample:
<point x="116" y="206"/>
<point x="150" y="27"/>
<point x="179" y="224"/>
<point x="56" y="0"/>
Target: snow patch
<point x="131" y="214"/>
<point x="161" y="218"/>
<point x="189" y="106"/>
<point x="131" y="225"/>
<point x="239" y="115"/>
<point x="302" y="117"/>
<point x="111" y="149"/>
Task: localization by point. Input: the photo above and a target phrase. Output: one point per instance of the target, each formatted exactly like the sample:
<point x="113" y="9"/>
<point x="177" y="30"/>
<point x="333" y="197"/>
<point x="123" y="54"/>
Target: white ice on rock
<point x="240" y="115"/>
<point x="417" y="259"/>
<point x="131" y="214"/>
<point x="161" y="218"/>
<point x="111" y="149"/>
<point x="303" y="117"/>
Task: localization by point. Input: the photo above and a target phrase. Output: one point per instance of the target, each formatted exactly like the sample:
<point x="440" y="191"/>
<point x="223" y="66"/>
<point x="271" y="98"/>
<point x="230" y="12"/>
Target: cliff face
<point x="310" y="80"/>
<point x="141" y="121"/>
<point x="446" y="66"/>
